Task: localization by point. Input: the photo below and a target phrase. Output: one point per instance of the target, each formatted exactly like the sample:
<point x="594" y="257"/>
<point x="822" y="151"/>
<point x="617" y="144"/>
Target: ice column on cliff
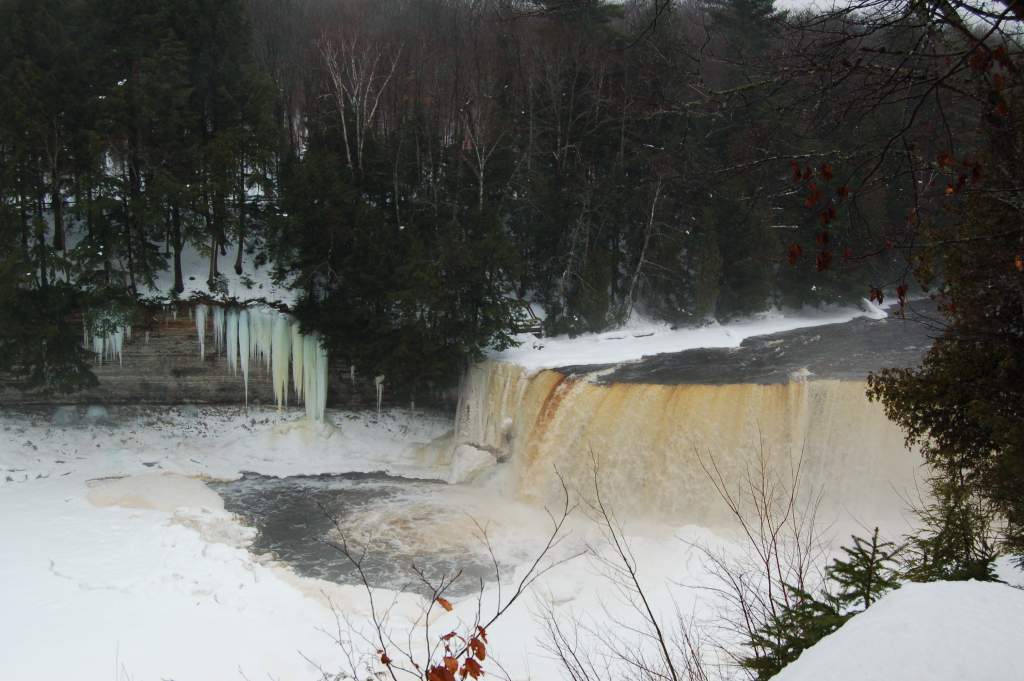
<point x="243" y="349"/>
<point x="297" y="347"/>
<point x="200" y="317"/>
<point x="231" y="339"/>
<point x="262" y="334"/>
<point x="218" y="328"/>
<point x="314" y="376"/>
<point x="281" y="352"/>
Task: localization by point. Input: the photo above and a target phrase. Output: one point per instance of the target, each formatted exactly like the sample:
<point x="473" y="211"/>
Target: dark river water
<point x="393" y="526"/>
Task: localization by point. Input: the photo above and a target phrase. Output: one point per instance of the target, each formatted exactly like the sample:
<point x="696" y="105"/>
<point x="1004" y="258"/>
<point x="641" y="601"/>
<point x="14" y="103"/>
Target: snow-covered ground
<point x="255" y="283"/>
<point x="926" y="632"/>
<point x="641" y="337"/>
<point x="120" y="563"/>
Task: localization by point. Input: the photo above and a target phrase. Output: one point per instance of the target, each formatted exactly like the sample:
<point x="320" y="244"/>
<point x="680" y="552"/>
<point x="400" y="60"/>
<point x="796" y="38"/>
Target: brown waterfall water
<point x="653" y="443"/>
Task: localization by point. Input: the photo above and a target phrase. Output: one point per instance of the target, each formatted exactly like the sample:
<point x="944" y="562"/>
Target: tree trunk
<point x="176" y="243"/>
<point x="58" y="214"/>
<point x="241" y="221"/>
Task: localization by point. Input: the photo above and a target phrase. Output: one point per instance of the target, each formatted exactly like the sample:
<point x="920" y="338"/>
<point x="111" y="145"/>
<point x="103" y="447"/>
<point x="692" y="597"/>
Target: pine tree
<point x="868" y="572"/>
<point x="794" y="629"/>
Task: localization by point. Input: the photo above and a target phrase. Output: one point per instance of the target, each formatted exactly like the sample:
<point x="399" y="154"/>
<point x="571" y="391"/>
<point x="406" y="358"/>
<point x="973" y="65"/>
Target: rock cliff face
<point x="161" y="364"/>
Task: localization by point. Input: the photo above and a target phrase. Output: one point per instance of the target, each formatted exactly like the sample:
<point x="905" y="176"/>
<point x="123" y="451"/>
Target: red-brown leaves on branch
<point x="843" y="192"/>
<point x="794" y="167"/>
<point x="794" y="253"/>
<point x="451" y="664"/>
<point x="875" y="295"/>
<point x="945" y="160"/>
<point x="828" y="215"/>
<point x="826" y="171"/>
<point x="472" y="669"/>
<point x="440" y="673"/>
<point x="482" y="633"/>
<point x="1018" y="262"/>
<point x="444" y="603"/>
<point x="478" y="648"/>
<point x="822" y="239"/>
<point x="384" y="659"/>
<point x="824" y="260"/>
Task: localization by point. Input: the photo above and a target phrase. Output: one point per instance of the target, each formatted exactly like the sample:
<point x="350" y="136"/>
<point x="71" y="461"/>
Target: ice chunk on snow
<point x="96" y="413"/>
<point x="66" y="415"/>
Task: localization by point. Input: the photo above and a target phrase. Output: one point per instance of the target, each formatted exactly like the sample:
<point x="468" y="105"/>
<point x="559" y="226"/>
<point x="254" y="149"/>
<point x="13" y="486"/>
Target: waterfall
<point x="653" y="443"/>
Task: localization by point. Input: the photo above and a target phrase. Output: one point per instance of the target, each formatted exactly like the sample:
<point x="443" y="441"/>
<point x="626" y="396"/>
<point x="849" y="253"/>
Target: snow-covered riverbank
<point x="121" y="563"/>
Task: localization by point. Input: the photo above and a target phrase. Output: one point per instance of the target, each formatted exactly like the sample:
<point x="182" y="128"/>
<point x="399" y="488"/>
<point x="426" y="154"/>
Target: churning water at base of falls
<point x="404" y="525"/>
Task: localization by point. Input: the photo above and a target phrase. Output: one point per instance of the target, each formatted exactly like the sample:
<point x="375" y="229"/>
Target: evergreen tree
<point x="794" y="629"/>
<point x="867" y="573"/>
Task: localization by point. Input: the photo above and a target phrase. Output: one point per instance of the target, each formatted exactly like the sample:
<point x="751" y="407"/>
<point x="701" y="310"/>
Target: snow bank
<point x="943" y="631"/>
<point x="641" y="338"/>
<point x="255" y="283"/>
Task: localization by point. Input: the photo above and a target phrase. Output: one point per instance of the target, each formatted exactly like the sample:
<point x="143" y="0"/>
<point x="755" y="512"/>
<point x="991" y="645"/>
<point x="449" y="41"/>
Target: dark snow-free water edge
<point x="389" y="524"/>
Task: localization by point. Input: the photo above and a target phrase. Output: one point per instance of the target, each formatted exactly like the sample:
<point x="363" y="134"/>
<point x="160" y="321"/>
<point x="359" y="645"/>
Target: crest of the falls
<point x="655" y="444"/>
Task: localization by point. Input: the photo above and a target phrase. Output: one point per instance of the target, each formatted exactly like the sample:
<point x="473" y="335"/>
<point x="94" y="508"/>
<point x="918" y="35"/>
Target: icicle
<point x="85" y="333"/>
<point x="352" y="374"/>
<point x="314" y="377"/>
<point x="379" y="382"/>
<point x="218" y="328"/>
<point x="116" y="345"/>
<point x="244" y="349"/>
<point x="200" y="317"/>
<point x="98" y="346"/>
<point x="128" y="333"/>
<point x="231" y="340"/>
<point x="297" y="346"/>
<point x="282" y="351"/>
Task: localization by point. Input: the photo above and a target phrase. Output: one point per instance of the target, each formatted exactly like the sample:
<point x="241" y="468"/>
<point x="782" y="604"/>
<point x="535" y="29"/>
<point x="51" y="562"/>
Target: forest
<point x="424" y="171"/>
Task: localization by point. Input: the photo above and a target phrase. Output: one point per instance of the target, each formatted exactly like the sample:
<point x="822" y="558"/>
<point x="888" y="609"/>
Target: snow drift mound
<point x="943" y="631"/>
